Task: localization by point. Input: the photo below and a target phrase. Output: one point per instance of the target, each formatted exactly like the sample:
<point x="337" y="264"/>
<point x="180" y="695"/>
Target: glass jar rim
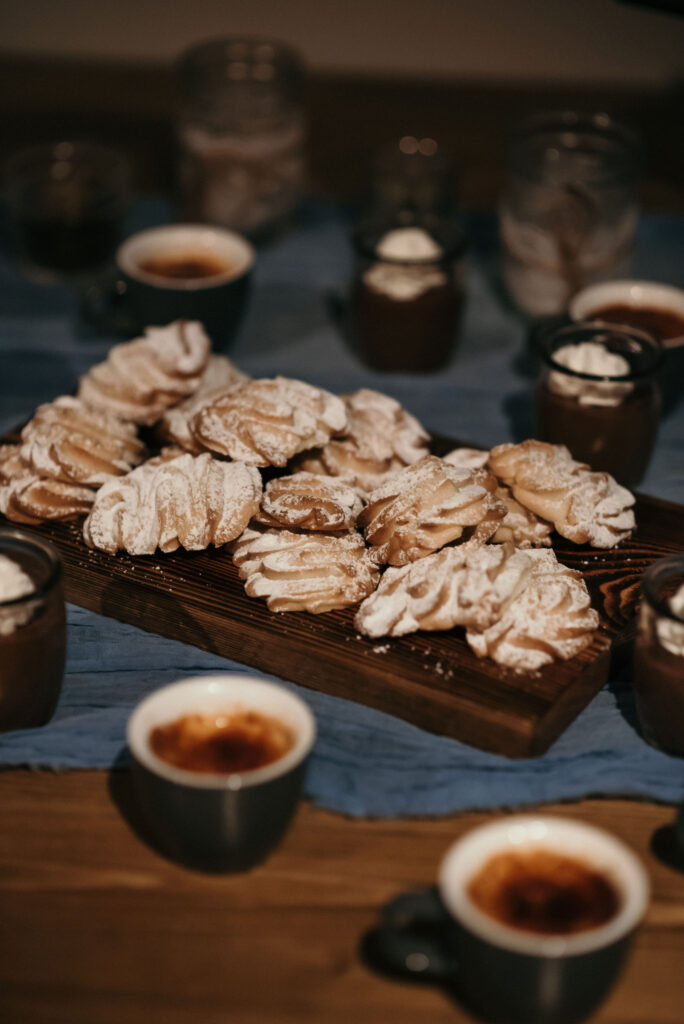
<point x="448" y="235"/>
<point x="49" y="553"/>
<point x="656" y="574"/>
<point x="584" y="330"/>
<point x="216" y="51"/>
<point x="616" y="133"/>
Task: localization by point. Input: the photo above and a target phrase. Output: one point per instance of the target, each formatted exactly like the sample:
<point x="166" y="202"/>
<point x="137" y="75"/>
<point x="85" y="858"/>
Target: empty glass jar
<point x="569" y="208"/>
<point x="241" y="133"/>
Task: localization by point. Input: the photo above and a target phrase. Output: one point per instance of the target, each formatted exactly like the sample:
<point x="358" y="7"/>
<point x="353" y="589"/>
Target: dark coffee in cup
<point x="540" y="890"/>
<point x="176" y="272"/>
<point x="186" y="265"/>
<point x="238" y="741"/>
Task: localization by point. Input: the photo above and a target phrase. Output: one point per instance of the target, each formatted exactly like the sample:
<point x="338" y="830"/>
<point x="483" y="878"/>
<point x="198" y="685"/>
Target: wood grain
<point x="96" y="928"/>
<point x="431" y="679"/>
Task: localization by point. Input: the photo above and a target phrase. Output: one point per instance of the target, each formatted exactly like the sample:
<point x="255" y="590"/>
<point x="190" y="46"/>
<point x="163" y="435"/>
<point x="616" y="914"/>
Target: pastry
<point x="25" y="497"/>
<point x="380" y="438"/>
<point x="313" y="572"/>
<point x="221" y="376"/>
<point x="425" y="506"/>
<point x="188" y="501"/>
<point x="266" y="422"/>
<point x="72" y="442"/>
<point x="585" y="507"/>
<point x="467" y="458"/>
<point x="140" y="379"/>
<point x="306" y="501"/>
<point x="519" y="525"/>
<point x="466" y="585"/>
<point x="549" y="618"/>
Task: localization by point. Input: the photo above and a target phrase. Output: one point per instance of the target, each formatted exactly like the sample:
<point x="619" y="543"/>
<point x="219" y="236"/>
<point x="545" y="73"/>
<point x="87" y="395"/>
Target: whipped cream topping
<point x="591" y="357"/>
<point x="406" y="282"/>
<point x="671" y="634"/>
<point x="408" y="244"/>
<point x="14" y="583"/>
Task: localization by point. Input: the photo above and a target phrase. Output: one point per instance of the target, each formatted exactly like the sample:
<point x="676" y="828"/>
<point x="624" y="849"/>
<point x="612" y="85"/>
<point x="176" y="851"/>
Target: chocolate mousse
<point x="32" y="631"/>
<point x="598" y="395"/>
<point x="659" y="659"/>
<point x="406" y="300"/>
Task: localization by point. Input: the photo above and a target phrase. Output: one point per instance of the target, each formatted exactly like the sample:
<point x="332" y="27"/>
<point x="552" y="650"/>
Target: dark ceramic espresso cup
<point x="503" y="974"/>
<point x="219" y="822"/>
<point x="177" y="272"/>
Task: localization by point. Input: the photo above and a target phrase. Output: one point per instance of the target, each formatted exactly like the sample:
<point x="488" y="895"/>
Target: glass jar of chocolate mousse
<point x="32" y="629"/>
<point x="598" y="394"/>
<point x="659" y="655"/>
<point x="407" y="294"/>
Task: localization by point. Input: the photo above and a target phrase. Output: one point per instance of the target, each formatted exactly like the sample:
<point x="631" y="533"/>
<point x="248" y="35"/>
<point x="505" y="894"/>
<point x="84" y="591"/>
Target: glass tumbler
<point x="598" y="394"/>
<point x="32" y="629"/>
<point x="66" y="203"/>
<point x="659" y="655"/>
<point x="241" y="131"/>
<point x="569" y="208"/>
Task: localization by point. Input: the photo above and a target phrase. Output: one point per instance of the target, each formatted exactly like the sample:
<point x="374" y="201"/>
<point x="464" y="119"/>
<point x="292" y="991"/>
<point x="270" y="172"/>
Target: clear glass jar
<point x="414" y="175"/>
<point x="32" y="629"/>
<point x="407" y="294"/>
<point x="66" y="203"/>
<point x="659" y="655"/>
<point x="241" y="132"/>
<point x="598" y="394"/>
<point x="569" y="208"/>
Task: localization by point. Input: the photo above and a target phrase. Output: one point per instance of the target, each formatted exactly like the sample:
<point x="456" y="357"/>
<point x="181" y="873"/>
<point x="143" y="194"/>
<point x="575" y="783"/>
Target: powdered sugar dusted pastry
<point x="220" y="377"/>
<point x="425" y="506"/>
<point x="586" y="507"/>
<point x="72" y="442"/>
<point x="466" y="585"/>
<point x="188" y="501"/>
<point x="549" y="618"/>
<point x="520" y="526"/>
<point x="381" y="437"/>
<point x="467" y="458"/>
<point x="25" y="497"/>
<point x="266" y="422"/>
<point x="307" y="501"/>
<point x="140" y="379"/>
<point x="313" y="572"/>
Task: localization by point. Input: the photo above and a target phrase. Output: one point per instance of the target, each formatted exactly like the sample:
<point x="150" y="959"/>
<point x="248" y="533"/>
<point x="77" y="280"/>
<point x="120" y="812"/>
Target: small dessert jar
<point x="407" y="294"/>
<point x="241" y="133"/>
<point x="659" y="655"/>
<point x="569" y="207"/>
<point x="598" y="394"/>
<point x="32" y="629"/>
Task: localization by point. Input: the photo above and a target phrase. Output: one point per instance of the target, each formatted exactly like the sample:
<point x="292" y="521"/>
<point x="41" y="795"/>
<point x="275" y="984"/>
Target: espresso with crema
<point x="187" y="265"/>
<point x="225" y="743"/>
<point x="542" y="891"/>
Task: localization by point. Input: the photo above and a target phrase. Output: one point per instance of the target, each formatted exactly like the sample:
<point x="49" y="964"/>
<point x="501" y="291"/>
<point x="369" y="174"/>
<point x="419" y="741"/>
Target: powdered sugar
<point x="266" y="422"/>
<point x="189" y="501"/>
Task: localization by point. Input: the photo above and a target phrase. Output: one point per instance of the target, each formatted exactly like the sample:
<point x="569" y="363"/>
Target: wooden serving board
<point x="431" y="679"/>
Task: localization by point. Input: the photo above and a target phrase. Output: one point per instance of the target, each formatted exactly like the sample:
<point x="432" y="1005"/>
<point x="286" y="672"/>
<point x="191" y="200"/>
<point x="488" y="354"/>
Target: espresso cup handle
<point x="411" y="940"/>
<point x="103" y="306"/>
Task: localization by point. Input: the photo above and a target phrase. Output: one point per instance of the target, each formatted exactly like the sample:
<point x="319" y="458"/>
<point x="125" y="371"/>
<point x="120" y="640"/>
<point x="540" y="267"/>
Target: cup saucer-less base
<point x="224" y="836"/>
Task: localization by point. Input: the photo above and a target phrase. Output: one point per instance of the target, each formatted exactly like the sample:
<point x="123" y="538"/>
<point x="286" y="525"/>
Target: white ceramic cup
<point x="219" y="822"/>
<point x="588" y="301"/>
<point x="503" y="974"/>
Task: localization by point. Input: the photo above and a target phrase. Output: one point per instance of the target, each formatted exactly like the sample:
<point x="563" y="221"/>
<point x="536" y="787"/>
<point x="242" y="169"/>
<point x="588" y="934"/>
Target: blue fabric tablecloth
<point x="364" y="762"/>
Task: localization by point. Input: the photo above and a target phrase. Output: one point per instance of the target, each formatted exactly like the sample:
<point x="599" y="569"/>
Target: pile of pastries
<point x="326" y="501"/>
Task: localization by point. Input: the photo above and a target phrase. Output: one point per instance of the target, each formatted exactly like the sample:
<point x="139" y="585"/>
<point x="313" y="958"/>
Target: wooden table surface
<point x="97" y="928"/>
